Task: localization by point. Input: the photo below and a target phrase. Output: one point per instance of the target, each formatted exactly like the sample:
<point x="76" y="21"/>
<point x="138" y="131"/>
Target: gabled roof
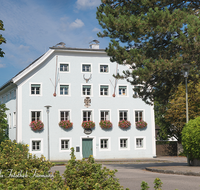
<point x="43" y="57"/>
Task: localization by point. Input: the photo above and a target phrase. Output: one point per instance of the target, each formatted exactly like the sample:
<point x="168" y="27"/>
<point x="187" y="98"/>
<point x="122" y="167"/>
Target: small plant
<point x="124" y="124"/>
<point x="157" y="184"/>
<point x="88" y="124"/>
<point x="66" y="124"/>
<point x="144" y="185"/>
<point x="36" y="125"/>
<point x="141" y="124"/>
<point x="105" y="124"/>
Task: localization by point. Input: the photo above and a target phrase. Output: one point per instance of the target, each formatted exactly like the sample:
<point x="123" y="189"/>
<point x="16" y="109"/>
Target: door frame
<point x="93" y="145"/>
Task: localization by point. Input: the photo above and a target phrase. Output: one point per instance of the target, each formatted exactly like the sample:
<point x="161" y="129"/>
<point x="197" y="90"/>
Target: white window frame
<point x="64" y="63"/>
<point x="143" y="114"/>
<point x="70" y="144"/>
<point x="109" y="143"/>
<point x="99" y="65"/>
<point x="144" y="142"/>
<point x="127" y="90"/>
<point x="91" y="90"/>
<point x="108" y="110"/>
<point x="67" y="110"/>
<point x="92" y="114"/>
<point x="69" y="89"/>
<point x="128" y="143"/>
<point x="41" y="144"/>
<point x="86" y="71"/>
<point x="35" y="110"/>
<point x="14" y="119"/>
<point x="40" y="89"/>
<point x="128" y="113"/>
<point x="108" y="90"/>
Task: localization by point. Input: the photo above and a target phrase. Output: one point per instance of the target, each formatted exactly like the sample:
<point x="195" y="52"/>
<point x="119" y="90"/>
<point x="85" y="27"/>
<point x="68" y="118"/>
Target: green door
<point x="87" y="148"/>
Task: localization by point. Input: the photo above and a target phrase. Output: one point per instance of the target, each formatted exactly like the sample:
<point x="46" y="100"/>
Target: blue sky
<point x="32" y="26"/>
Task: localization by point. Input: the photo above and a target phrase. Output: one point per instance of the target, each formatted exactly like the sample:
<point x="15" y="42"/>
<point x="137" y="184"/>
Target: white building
<point x="27" y="94"/>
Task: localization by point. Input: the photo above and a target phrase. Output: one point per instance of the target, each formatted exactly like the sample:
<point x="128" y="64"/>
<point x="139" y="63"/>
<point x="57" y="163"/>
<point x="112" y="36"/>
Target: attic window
<point x="35" y="89"/>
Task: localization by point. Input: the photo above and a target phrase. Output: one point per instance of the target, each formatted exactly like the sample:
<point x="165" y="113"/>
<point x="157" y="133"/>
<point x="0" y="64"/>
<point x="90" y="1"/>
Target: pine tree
<point x="2" y="39"/>
<point x="154" y="38"/>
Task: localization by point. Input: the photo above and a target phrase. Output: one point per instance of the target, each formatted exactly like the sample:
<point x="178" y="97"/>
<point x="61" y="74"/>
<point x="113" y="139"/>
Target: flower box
<point x="141" y="124"/>
<point x="124" y="124"/>
<point x="88" y="124"/>
<point x="105" y="124"/>
<point x="36" y="125"/>
<point x="65" y="124"/>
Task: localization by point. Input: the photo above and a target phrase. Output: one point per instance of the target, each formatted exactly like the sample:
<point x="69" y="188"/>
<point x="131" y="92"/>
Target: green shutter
<point x="35" y="85"/>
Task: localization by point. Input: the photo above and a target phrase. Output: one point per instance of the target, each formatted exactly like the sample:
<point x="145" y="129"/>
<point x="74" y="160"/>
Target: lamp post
<point x="48" y="129"/>
<point x="186" y="68"/>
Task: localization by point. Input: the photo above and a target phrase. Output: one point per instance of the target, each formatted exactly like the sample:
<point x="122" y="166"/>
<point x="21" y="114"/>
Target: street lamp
<point x="186" y="68"/>
<point x="48" y="129"/>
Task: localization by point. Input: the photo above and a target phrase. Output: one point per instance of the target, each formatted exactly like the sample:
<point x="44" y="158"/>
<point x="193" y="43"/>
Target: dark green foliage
<point x="144" y="185"/>
<point x="86" y="174"/>
<point x="3" y="122"/>
<point x="154" y="38"/>
<point x="157" y="184"/>
<point x="191" y="138"/>
<point x="2" y="39"/>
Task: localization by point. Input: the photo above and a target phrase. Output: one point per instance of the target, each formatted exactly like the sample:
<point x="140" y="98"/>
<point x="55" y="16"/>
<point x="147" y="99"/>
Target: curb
<point x="172" y="172"/>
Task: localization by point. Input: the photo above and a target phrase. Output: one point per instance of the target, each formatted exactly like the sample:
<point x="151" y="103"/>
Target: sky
<point x="32" y="26"/>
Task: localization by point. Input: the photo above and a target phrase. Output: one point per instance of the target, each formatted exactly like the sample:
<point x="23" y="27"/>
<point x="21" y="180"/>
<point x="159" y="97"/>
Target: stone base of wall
<point x="195" y="162"/>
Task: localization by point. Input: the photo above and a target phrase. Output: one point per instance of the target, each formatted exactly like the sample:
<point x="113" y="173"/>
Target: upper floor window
<point x="123" y="115"/>
<point x="123" y="90"/>
<point x="138" y="116"/>
<point x="64" y="115"/>
<point x="86" y="68"/>
<point x="104" y="90"/>
<point x="103" y="68"/>
<point x="35" y="89"/>
<point x="87" y="115"/>
<point x="64" y="89"/>
<point x="35" y="115"/>
<point x="86" y="90"/>
<point x="64" y="67"/>
<point x="105" y="115"/>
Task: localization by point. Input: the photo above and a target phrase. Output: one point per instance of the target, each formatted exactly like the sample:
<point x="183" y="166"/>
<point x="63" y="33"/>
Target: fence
<point x="166" y="148"/>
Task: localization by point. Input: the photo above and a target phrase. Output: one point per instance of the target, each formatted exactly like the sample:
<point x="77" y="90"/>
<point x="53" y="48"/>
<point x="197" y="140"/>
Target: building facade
<point x="79" y="86"/>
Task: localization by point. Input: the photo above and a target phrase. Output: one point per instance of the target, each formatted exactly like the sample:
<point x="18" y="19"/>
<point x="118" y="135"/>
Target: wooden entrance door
<point x="87" y="148"/>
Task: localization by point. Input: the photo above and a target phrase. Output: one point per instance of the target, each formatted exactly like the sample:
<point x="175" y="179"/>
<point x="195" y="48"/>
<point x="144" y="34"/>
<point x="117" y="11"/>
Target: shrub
<point x="88" y="124"/>
<point x="89" y="175"/>
<point x="36" y="125"/>
<point x="141" y="124"/>
<point x="124" y="124"/>
<point x="191" y="138"/>
<point x="105" y="124"/>
<point x="66" y="124"/>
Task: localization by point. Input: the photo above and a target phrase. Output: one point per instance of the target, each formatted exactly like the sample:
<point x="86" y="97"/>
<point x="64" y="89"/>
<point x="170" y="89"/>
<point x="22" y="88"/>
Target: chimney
<point x="94" y="44"/>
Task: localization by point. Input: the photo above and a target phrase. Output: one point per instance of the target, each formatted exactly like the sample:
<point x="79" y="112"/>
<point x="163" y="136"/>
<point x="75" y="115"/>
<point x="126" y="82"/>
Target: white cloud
<point x="84" y="4"/>
<point x="24" y="48"/>
<point x="96" y="30"/>
<point x="76" y="24"/>
<point x="2" y="65"/>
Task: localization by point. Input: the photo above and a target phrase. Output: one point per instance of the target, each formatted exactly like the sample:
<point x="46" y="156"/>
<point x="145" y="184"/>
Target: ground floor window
<point x="36" y="145"/>
<point x="139" y="143"/>
<point x="104" y="143"/>
<point x="64" y="144"/>
<point x="123" y="143"/>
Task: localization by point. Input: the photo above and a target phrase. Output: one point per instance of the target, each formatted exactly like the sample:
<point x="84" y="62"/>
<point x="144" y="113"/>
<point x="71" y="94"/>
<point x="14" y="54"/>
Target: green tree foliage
<point x="2" y="39"/>
<point x="3" y="122"/>
<point x="191" y="138"/>
<point x="154" y="38"/>
<point x="172" y="117"/>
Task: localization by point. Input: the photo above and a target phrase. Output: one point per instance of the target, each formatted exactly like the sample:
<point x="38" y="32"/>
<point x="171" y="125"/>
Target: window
<point x="64" y="89"/>
<point x="87" y="115"/>
<point x="35" y="115"/>
<point x="103" y="68"/>
<point x="105" y="115"/>
<point x="64" y="115"/>
<point x="35" y="89"/>
<point x="86" y="68"/>
<point x="138" y="116"/>
<point x="86" y="90"/>
<point x="9" y="120"/>
<point x="36" y="145"/>
<point x="123" y="143"/>
<point x="64" y="144"/>
<point x="139" y="142"/>
<point x="123" y="90"/>
<point x="123" y="115"/>
<point x="64" y="67"/>
<point x="104" y="143"/>
<point x="104" y="90"/>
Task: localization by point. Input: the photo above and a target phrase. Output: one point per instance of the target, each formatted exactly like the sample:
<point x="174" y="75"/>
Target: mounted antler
<point x="88" y="78"/>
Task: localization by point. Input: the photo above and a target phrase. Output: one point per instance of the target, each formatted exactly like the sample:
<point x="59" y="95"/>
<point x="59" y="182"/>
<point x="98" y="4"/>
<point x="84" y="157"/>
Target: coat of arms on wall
<point x="87" y="102"/>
